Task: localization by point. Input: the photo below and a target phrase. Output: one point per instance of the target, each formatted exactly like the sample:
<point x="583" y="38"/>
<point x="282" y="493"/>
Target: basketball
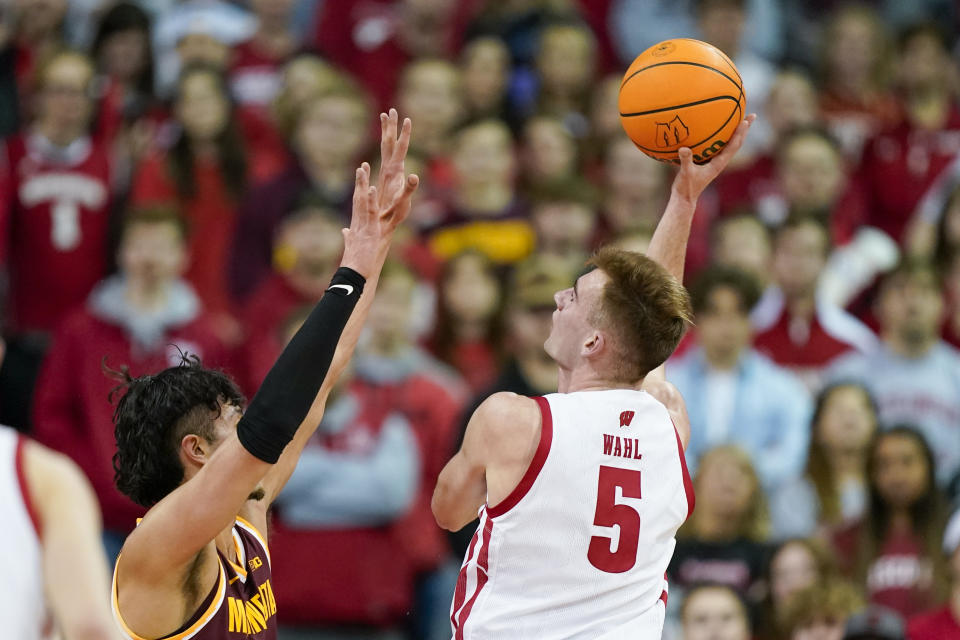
<point x="681" y="93"/>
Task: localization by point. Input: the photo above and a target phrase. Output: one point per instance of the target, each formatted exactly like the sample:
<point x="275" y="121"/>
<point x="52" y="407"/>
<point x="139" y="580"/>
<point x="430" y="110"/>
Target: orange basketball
<point x="681" y="93"/>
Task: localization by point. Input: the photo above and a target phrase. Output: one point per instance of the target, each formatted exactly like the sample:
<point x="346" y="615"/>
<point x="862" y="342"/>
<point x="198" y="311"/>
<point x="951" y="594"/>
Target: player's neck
<point x="540" y="372"/>
<point x="587" y="379"/>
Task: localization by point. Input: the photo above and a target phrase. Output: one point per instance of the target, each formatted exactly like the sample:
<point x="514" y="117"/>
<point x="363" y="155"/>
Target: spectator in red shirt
<point x="469" y="329"/>
<point x="307" y="247"/>
<point x="55" y="210"/>
<point x="855" y="98"/>
<point x="141" y="318"/>
<point x="361" y="491"/>
<point x="795" y="326"/>
<point x="944" y="622"/>
<point x="327" y="135"/>
<point x="901" y="163"/>
<point x="256" y="63"/>
<point x="895" y="549"/>
<point x="204" y="173"/>
<point x="791" y="105"/>
<point x="375" y="39"/>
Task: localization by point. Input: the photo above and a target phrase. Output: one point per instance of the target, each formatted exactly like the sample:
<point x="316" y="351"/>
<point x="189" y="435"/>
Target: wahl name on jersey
<point x="622" y="447"/>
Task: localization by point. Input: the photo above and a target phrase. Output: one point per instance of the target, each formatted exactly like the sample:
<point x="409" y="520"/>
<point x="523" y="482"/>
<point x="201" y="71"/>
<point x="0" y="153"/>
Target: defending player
<point x="581" y="492"/>
<point x="198" y="566"/>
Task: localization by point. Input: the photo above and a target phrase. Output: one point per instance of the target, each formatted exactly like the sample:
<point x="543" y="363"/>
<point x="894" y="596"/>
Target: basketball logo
<point x="671" y="133"/>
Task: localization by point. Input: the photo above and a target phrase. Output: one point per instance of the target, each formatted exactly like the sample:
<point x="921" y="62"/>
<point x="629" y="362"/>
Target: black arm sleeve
<point x="285" y="397"/>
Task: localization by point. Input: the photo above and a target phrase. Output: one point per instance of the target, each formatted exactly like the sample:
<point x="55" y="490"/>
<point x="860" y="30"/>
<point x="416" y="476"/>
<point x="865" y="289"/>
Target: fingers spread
<point x="400" y="151"/>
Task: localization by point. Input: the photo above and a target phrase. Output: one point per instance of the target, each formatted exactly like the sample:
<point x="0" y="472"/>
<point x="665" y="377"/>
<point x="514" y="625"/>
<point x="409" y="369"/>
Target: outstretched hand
<point x="693" y="178"/>
<point x="378" y="210"/>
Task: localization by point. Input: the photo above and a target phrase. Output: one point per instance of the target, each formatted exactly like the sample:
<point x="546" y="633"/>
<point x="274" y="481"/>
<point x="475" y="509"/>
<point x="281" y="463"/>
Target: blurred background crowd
<point x="175" y="174"/>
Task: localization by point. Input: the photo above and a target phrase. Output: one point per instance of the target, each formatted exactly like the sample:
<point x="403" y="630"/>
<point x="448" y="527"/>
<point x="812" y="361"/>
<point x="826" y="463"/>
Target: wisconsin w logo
<point x="671" y="133"/>
<point x="626" y="417"/>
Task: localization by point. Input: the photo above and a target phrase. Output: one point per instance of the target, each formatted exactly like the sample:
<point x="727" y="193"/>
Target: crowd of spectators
<point x="175" y="174"/>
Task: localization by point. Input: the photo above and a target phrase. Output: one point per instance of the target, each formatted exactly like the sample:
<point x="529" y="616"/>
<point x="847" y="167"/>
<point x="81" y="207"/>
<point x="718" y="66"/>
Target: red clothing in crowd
<point x="898" y="167"/>
<point x="264" y="315"/>
<point x="369" y="573"/>
<point x="756" y="188"/>
<point x="853" y="121"/>
<point x="72" y="413"/>
<point x="211" y="215"/>
<point x="255" y="75"/>
<point x="806" y="345"/>
<point x="55" y="207"/>
<point x="363" y="37"/>
<point x="900" y="577"/>
<point x="936" y="625"/>
<point x="477" y="362"/>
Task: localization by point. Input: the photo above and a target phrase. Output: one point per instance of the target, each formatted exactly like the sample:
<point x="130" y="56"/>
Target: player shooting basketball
<point x="198" y="566"/>
<point x="581" y="492"/>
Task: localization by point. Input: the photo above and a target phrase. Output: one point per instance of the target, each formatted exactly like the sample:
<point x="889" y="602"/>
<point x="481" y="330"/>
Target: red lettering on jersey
<point x="607" y="444"/>
<point x="617" y="451"/>
<point x="627" y="448"/>
<point x="626" y="417"/>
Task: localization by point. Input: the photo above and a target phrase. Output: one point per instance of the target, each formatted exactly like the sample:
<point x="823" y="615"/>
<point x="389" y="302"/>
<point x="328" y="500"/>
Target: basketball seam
<point x="723" y="56"/>
<point x="679" y="106"/>
<point x="692" y="64"/>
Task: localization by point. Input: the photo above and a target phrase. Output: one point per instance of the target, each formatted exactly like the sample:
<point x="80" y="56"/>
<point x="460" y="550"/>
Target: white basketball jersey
<point x="580" y="548"/>
<point x="22" y="601"/>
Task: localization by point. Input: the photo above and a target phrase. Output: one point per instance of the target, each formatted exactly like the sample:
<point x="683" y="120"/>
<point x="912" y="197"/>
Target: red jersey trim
<point x="539" y="458"/>
<point x="24" y="488"/>
<point x="483" y="568"/>
<point x="460" y="593"/>
<point x="687" y="482"/>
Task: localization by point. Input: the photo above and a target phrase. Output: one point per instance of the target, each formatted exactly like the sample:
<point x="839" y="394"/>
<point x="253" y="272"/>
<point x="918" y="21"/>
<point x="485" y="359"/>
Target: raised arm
<point x="669" y="248"/>
<point x="74" y="565"/>
<point x="391" y="199"/>
<point x="158" y="554"/>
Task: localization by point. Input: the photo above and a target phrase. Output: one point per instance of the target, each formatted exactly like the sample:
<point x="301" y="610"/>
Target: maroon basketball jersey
<point x="241" y="603"/>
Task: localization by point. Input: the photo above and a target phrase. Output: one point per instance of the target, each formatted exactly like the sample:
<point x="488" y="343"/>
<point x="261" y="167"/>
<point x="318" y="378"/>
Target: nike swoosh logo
<point x="346" y="287"/>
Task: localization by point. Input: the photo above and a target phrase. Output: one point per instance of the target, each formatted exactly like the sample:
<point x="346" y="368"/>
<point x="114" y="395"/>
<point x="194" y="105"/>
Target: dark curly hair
<point x="153" y="415"/>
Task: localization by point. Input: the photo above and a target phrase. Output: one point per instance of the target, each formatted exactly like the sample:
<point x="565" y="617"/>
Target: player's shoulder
<point x="507" y="407"/>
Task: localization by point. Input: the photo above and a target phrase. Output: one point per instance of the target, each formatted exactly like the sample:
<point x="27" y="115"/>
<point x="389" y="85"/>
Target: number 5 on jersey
<point x="609" y="514"/>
